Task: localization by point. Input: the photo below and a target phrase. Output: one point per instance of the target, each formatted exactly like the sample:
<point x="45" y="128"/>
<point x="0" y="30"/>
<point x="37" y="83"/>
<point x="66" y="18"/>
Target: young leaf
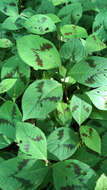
<point x="92" y="72"/>
<point x="91" y="138"/>
<point x="63" y="114"/>
<point x="80" y="107"/>
<point x="101" y="183"/>
<point x="5" y="43"/>
<point x="7" y="84"/>
<point x="43" y="54"/>
<point x="62" y="143"/>
<point x="15" y="68"/>
<point x="31" y="140"/>
<point x="98" y="97"/>
<point x="41" y="98"/>
<point x="70" y="31"/>
<point x="40" y="24"/>
<point x="73" y="175"/>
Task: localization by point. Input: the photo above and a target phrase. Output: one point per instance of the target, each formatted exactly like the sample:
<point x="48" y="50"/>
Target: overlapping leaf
<point x="69" y="31"/>
<point x="43" y="54"/>
<point x="101" y="183"/>
<point x="98" y="97"/>
<point x="40" y="24"/>
<point x="62" y="143"/>
<point x="41" y="98"/>
<point x="7" y="84"/>
<point x="5" y="43"/>
<point x="73" y="174"/>
<point x="16" y="69"/>
<point x="91" y="138"/>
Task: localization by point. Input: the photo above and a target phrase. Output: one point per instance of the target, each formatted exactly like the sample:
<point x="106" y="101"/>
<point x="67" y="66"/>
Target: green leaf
<point x="40" y="24"/>
<point x="80" y="107"/>
<point x="9" y="115"/>
<point x="77" y="50"/>
<point x="24" y="174"/>
<point x="15" y="68"/>
<point x="5" y="43"/>
<point x="101" y="183"/>
<point x="70" y="31"/>
<point x="31" y="140"/>
<point x="98" y="97"/>
<point x="62" y="143"/>
<point x="9" y="7"/>
<point x="7" y="84"/>
<point x="57" y="2"/>
<point x="54" y="18"/>
<point x="72" y="13"/>
<point x="104" y="144"/>
<point x="43" y="54"/>
<point x="63" y="114"/>
<point x="92" y="72"/>
<point x="93" y="44"/>
<point x="91" y="138"/>
<point x="73" y="174"/>
<point x="41" y="98"/>
<point x="98" y="114"/>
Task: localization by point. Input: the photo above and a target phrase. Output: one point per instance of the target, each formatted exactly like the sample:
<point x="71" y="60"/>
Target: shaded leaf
<point x="91" y="138"/>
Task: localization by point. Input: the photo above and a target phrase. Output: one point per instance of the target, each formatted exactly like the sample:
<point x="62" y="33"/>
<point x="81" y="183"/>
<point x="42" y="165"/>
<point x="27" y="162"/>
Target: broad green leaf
<point x="104" y="144"/>
<point x="98" y="97"/>
<point x="99" y="125"/>
<point x="93" y="44"/>
<point x="77" y="50"/>
<point x="9" y="115"/>
<point x="9" y="7"/>
<point x="14" y="23"/>
<point x="15" y="68"/>
<point x="7" y="84"/>
<point x="63" y="114"/>
<point x="100" y="25"/>
<point x="91" y="138"/>
<point x="81" y="107"/>
<point x="40" y="24"/>
<point x="58" y="2"/>
<point x="70" y="13"/>
<point x="43" y="54"/>
<point x="31" y="140"/>
<point x="69" y="31"/>
<point x="98" y="114"/>
<point x="5" y="43"/>
<point x="73" y="175"/>
<point x="41" y="98"/>
<point x="22" y="174"/>
<point x="86" y="156"/>
<point x="92" y="72"/>
<point x="101" y="183"/>
<point x="62" y="143"/>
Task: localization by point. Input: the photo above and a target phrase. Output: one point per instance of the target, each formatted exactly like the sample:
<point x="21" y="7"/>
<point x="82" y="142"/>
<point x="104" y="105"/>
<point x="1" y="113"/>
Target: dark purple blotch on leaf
<point x="12" y="4"/>
<point x="40" y="86"/>
<point x="77" y="169"/>
<point x="74" y="108"/>
<point x="91" y="63"/>
<point x="46" y="46"/>
<point x="53" y="98"/>
<point x="27" y="146"/>
<point x="22" y="164"/>
<point x="38" y="138"/>
<point x="90" y="80"/>
<point x="60" y="134"/>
